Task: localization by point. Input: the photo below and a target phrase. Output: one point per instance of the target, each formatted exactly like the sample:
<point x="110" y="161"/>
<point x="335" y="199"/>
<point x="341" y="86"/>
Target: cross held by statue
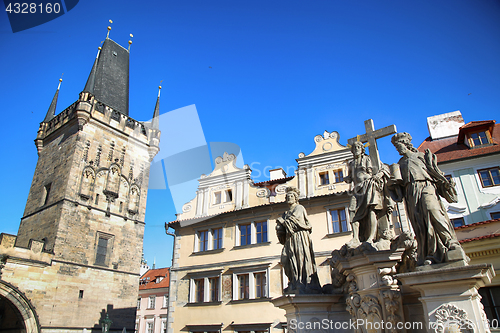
<point x="371" y="137"/>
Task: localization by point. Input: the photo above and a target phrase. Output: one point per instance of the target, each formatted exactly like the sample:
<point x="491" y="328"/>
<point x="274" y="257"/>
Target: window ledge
<point x="338" y="234"/>
<point x="204" y="303"/>
<point x="199" y="253"/>
<point x="253" y="300"/>
<point x="251" y="245"/>
<point x="482" y="146"/>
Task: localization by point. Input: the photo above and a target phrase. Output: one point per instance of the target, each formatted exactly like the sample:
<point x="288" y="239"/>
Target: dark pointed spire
<point x="89" y="86"/>
<point x="155" y="123"/>
<point x="52" y="108"/>
<point x="109" y="79"/>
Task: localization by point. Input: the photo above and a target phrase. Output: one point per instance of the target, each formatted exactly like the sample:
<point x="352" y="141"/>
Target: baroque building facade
<point x="226" y="261"/>
<point x="76" y="258"/>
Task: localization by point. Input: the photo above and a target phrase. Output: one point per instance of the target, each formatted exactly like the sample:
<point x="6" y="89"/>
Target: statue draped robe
<point x="421" y="184"/>
<point x="297" y="256"/>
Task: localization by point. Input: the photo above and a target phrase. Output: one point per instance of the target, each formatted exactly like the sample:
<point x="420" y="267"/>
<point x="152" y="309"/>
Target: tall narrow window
<point x="260" y="284"/>
<point x="97" y="199"/>
<point x="151" y="302"/>
<point x="150" y="327"/>
<point x="261" y="231"/>
<point x="199" y="290"/>
<point x="214" y="289"/>
<point x="102" y="251"/>
<point x="203" y="240"/>
<point x="339" y="176"/>
<point x="217" y="198"/>
<point x="217" y="238"/>
<point x="245" y="234"/>
<point x="243" y="288"/>
<point x="339" y="222"/>
<point x="229" y="196"/>
<point x="46" y="193"/>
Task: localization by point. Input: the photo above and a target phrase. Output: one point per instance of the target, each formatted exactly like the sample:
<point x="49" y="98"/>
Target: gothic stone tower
<point x="77" y="254"/>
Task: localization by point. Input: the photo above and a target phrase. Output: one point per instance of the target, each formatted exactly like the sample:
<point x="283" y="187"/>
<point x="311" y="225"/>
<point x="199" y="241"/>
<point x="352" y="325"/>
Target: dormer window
<point x="217" y="198"/>
<point x="479" y="138"/>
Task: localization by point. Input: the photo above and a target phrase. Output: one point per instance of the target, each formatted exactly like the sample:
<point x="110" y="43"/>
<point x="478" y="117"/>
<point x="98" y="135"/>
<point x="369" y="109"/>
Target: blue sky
<point x="257" y="72"/>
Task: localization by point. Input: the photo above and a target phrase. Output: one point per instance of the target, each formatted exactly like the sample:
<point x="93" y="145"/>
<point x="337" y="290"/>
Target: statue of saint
<point x="297" y="257"/>
<point x="369" y="200"/>
<point x="420" y="182"/>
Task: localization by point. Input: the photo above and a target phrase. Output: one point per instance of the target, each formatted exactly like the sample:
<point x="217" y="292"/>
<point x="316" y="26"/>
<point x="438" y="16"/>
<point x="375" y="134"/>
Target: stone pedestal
<point x="374" y="298"/>
<point x="449" y="296"/>
<point x="315" y="313"/>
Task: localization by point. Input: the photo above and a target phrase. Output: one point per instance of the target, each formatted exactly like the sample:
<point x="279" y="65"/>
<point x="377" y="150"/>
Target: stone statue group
<point x="415" y="179"/>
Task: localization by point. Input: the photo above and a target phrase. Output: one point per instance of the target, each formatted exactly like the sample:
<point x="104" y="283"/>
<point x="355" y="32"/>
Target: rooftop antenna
<point x="130" y="42"/>
<point x="109" y="28"/>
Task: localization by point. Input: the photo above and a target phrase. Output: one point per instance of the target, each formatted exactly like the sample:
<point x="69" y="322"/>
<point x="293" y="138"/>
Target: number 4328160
<point x="32" y="8"/>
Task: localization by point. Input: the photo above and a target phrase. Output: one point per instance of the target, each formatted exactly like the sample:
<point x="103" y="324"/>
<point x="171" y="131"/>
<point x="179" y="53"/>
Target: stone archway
<point x="19" y="315"/>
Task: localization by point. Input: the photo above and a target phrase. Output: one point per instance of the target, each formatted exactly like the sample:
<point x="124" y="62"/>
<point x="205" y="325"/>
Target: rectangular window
<point x="339" y="176"/>
<point x="489" y="177"/>
<point x="217" y="238"/>
<point x="478" y="139"/>
<point x="448" y="177"/>
<point x="204" y="286"/>
<point x="165" y="301"/>
<point x="150" y="327"/>
<point x="217" y="198"/>
<point x="102" y="250"/>
<point x="214" y="289"/>
<point x="199" y="286"/>
<point x="490" y="297"/>
<point x="250" y="282"/>
<point x="138" y="303"/>
<point x="260" y="284"/>
<point x="324" y="179"/>
<point x="339" y="221"/>
<point x="458" y="222"/>
<point x="245" y="234"/>
<point x="495" y="215"/>
<point x="243" y="286"/>
<point x="261" y="231"/>
<point x="151" y="302"/>
<point x="80" y="295"/>
<point x="203" y="240"/>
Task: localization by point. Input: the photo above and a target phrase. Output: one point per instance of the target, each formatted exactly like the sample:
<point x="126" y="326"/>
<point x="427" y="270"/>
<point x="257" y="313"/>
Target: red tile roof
<point x="478" y="238"/>
<point x="448" y="149"/>
<point x="476" y="224"/>
<point x="152" y="274"/>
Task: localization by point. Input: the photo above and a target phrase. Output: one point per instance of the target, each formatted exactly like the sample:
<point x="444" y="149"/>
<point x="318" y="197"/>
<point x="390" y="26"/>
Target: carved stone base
<point x="315" y="313"/>
<point x="374" y="297"/>
<point x="449" y="296"/>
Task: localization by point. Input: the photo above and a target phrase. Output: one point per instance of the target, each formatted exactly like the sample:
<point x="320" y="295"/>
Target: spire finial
<point x="52" y="108"/>
<point x="130" y="41"/>
<point x="159" y="88"/>
<point x="60" y="80"/>
<point x="109" y="28"/>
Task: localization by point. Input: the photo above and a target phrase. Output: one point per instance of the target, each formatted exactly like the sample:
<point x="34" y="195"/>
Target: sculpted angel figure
<point x="370" y="199"/>
<point x="297" y="257"/>
<point x="421" y="183"/>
